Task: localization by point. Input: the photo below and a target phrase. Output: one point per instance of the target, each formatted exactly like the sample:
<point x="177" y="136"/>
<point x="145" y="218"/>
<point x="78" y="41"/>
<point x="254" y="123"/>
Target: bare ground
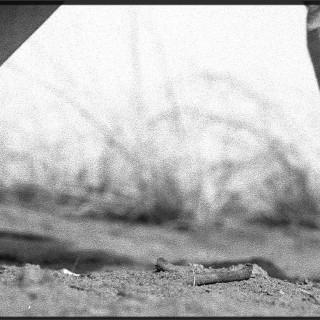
<point x="116" y="266"/>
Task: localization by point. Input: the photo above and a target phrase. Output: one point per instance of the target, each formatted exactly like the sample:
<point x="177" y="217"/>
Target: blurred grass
<point x="218" y="154"/>
<point x="184" y="167"/>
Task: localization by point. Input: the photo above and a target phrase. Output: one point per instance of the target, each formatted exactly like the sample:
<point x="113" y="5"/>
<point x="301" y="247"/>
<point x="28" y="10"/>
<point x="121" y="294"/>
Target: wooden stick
<point x="202" y="276"/>
<point x="243" y="272"/>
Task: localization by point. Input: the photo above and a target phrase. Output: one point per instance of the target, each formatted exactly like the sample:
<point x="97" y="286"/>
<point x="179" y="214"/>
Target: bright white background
<point x="86" y="53"/>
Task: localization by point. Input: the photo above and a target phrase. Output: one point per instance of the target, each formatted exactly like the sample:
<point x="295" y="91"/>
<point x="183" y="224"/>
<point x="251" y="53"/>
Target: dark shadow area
<point x="282" y="222"/>
<point x="20" y="248"/>
<point x="19" y="22"/>
<point x="24" y="237"/>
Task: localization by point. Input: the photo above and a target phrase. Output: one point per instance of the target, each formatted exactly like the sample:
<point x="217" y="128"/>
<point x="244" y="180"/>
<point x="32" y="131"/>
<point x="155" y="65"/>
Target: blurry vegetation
<point x="184" y="167"/>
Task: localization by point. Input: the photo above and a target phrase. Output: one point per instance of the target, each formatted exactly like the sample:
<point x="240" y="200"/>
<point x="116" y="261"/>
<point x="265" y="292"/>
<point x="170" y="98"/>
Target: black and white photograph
<point x="159" y="159"/>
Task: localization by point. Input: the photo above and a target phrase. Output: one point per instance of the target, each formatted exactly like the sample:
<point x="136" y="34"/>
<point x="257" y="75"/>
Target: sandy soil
<point x="32" y="291"/>
<point x="115" y="263"/>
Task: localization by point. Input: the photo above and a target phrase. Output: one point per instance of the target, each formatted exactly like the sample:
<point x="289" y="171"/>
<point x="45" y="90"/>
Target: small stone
<point x="258" y="272"/>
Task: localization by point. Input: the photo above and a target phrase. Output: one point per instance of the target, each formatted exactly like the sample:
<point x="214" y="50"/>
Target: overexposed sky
<point x="93" y="44"/>
<point x="85" y="52"/>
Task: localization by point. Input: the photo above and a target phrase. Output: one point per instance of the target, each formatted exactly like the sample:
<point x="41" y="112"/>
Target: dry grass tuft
<point x="185" y="167"/>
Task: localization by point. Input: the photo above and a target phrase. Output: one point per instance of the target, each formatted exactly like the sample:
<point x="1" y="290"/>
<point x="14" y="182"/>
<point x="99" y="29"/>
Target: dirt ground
<point x="32" y="291"/>
<point x="114" y="269"/>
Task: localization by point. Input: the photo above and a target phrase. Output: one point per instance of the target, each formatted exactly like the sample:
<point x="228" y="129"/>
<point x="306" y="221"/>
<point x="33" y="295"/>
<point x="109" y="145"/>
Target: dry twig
<point x="198" y="275"/>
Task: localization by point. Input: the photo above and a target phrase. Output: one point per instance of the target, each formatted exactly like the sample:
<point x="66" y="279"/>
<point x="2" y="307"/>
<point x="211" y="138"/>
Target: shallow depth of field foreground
<point x="150" y="170"/>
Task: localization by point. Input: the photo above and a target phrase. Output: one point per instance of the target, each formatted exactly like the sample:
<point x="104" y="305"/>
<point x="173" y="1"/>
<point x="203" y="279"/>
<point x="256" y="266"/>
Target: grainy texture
<point x="117" y="266"/>
<point x="33" y="291"/>
<point x="198" y="275"/>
